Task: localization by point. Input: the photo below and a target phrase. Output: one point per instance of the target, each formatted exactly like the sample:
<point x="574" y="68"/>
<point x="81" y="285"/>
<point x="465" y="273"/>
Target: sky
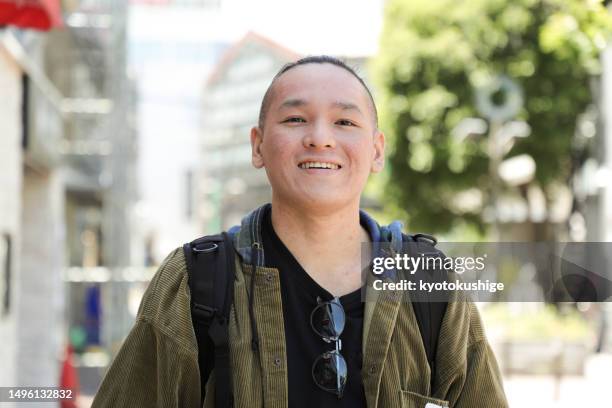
<point x="348" y="27"/>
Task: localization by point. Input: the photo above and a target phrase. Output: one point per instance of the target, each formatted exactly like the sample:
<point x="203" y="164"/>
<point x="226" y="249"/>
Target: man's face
<point x="319" y="141"/>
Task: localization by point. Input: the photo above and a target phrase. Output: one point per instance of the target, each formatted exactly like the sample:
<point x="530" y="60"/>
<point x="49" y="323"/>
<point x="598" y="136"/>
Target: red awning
<point x="35" y="14"/>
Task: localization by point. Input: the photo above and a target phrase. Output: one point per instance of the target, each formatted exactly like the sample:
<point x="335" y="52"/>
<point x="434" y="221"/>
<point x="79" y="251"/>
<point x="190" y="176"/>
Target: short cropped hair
<point x="316" y="59"/>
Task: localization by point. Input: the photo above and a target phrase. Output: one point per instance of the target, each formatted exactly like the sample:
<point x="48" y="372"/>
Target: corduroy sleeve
<point x="483" y="384"/>
<point x="157" y="364"/>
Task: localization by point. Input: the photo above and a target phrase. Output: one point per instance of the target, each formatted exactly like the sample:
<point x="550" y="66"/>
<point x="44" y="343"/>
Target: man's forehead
<point x="301" y="85"/>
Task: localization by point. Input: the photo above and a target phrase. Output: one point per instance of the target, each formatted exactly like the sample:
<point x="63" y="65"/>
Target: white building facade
<point x="10" y="207"/>
<point x="32" y="222"/>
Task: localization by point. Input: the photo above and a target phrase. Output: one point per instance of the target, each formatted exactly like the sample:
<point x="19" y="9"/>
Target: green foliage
<point x="434" y="53"/>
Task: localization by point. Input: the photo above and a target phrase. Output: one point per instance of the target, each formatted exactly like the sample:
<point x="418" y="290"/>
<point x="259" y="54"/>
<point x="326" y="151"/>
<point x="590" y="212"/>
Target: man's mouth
<point x="319" y="165"/>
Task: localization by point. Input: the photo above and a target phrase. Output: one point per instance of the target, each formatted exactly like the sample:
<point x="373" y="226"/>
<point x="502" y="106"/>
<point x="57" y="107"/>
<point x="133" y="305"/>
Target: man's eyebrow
<point x="292" y="103"/>
<point x="347" y="106"/>
<point x="296" y="103"/>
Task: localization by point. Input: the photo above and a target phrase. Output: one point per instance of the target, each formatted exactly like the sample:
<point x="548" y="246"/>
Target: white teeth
<point x="319" y="165"/>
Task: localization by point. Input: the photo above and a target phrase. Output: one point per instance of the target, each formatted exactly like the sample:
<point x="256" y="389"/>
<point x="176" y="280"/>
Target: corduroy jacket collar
<point x="249" y="244"/>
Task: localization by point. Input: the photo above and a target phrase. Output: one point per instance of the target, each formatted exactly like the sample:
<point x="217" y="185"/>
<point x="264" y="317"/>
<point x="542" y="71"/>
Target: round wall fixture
<point x="500" y="99"/>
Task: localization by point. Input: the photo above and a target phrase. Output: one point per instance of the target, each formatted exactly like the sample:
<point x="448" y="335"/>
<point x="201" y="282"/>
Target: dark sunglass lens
<point x="328" y="320"/>
<point x="329" y="372"/>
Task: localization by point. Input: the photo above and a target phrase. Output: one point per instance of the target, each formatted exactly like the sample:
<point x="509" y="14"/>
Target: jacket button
<point x="372" y="369"/>
<point x="268" y="277"/>
<point x="277" y="362"/>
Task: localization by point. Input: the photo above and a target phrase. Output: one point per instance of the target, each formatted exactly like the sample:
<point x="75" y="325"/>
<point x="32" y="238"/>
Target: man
<point x="318" y="140"/>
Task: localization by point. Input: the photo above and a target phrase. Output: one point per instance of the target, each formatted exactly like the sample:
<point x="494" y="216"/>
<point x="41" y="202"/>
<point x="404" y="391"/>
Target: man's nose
<point x="320" y="136"/>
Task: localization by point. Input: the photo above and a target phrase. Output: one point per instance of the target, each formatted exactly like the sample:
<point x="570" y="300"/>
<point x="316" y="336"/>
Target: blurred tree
<point x="433" y="56"/>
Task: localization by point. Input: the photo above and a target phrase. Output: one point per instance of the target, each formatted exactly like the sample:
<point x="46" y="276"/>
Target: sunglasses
<point x="329" y="370"/>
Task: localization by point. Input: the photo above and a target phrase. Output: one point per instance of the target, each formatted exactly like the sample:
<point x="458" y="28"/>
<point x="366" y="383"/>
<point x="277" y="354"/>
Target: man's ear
<point x="256" y="141"/>
<point x="379" y="152"/>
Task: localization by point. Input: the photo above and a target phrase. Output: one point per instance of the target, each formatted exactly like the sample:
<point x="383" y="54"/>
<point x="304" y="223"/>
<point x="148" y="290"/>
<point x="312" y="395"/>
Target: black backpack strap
<point x="211" y="270"/>
<point x="429" y="313"/>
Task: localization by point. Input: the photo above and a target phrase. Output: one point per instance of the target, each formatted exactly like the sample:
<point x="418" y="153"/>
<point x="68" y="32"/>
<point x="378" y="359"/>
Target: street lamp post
<point x="502" y="131"/>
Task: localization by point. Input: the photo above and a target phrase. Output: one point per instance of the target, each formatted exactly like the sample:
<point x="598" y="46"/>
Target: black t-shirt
<point x="299" y="294"/>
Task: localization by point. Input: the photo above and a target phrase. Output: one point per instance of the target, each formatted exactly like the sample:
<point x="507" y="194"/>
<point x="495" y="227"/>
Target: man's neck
<point x="326" y="244"/>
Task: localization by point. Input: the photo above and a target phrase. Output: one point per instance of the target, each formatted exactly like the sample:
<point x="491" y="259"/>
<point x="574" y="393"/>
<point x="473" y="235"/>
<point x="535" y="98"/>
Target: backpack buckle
<point x="205" y="247"/>
<point x="203" y="312"/>
<point x="430" y="239"/>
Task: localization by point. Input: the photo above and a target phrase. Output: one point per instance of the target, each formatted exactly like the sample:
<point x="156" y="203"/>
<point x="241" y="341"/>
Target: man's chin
<point x="327" y="200"/>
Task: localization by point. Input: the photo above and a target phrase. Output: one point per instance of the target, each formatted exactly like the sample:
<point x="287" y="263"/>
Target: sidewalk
<point x="593" y="389"/>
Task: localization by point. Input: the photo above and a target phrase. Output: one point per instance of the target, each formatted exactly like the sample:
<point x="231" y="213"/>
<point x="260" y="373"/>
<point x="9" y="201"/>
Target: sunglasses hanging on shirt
<point x="329" y="370"/>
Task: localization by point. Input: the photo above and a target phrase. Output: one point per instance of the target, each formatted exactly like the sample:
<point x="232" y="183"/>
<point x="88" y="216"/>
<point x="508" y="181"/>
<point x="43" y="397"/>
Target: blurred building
<point x="10" y="201"/>
<point x="31" y="204"/>
<point x="601" y="200"/>
<point x="173" y="46"/>
<point x="100" y="156"/>
<point x="68" y="158"/>
<point x="229" y="186"/>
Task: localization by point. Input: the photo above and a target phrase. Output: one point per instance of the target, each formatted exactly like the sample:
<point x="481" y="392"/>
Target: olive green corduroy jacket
<point x="157" y="365"/>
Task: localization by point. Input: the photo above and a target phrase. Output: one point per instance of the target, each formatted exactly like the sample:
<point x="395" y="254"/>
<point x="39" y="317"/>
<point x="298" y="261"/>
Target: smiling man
<point x="299" y="333"/>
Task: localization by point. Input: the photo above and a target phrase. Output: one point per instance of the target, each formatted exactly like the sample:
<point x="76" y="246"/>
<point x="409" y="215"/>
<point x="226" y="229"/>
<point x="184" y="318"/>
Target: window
<point x="25" y="108"/>
<point x="189" y="194"/>
<point x="5" y="274"/>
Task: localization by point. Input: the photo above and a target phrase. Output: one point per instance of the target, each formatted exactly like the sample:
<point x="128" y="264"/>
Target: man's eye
<point x="294" y="120"/>
<point x="345" y="122"/>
